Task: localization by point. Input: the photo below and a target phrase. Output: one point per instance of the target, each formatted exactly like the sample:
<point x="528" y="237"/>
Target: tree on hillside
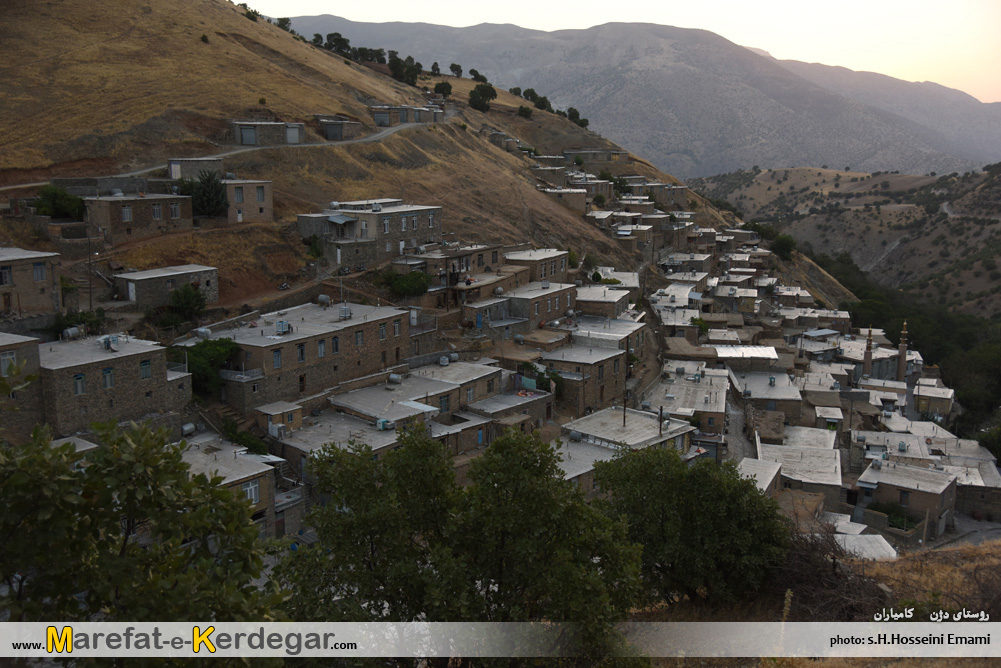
<point x="783" y="246"/>
<point x="705" y="530"/>
<point x="435" y="70"/>
<point x="479" y="97"/>
<point x="317" y="39"/>
<point x="338" y="44"/>
<point x="443" y="88"/>
<point x="58" y="203"/>
<point x="516" y="91"/>
<point x="130" y="536"/>
<point x="456" y="69"/>
<point x="476" y="76"/>
<point x="399" y="540"/>
<point x="188" y="302"/>
<point x="284" y="23"/>
<point x="542" y="102"/>
<point x="525" y="112"/>
<point x="204" y="360"/>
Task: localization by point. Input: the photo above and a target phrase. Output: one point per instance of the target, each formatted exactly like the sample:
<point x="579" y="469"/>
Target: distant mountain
<point x="696" y="104"/>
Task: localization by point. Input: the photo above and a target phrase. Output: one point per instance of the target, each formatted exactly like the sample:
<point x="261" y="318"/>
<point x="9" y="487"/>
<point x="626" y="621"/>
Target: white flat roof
<point x="582" y="354"/>
<point x="762" y="471"/>
<point x="8" y="254"/>
<point x="534" y="289"/>
<point x="873" y="547"/>
<point x="600" y="293"/>
<point x="536" y="254"/>
<point x="809" y="437"/>
<point x="578" y="458"/>
<point x="65" y="354"/>
<point x="910" y="477"/>
<point x="164" y="272"/>
<point x="810" y="465"/>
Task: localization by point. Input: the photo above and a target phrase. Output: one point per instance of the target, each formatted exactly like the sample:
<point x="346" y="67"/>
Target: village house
<point x="933" y="400"/>
<point x="809" y="469"/>
<point x="192" y="168"/>
<point x="763" y="472"/>
<point x="575" y="199"/>
<point x="619" y="333"/>
<point x="121" y="218"/>
<point x="306" y="350"/>
<point x="154" y="287"/>
<point x="921" y="492"/>
<point x="250" y="201"/>
<point x="267" y="133"/>
<point x="693" y="392"/>
<point x="603" y="434"/>
<point x="543" y="263"/>
<point x="593" y="377"/>
<point x="542" y="302"/>
<point x="769" y="392"/>
<point x="523" y="410"/>
<point x="29" y="282"/>
<point x="370" y="231"/>
<point x="111" y="377"/>
<point x="338" y="128"/>
<point x="23" y="409"/>
<point x="241" y="471"/>
<point x="600" y="301"/>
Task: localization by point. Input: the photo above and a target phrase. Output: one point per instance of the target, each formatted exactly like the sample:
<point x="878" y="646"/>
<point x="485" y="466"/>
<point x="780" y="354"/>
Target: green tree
<point x="530" y="95"/>
<point x="337" y="43"/>
<point x="479" y="97"/>
<point x="188" y="302"/>
<point x="57" y="203"/>
<point x="476" y="76"/>
<point x="573" y="114"/>
<point x="599" y="199"/>
<point x="525" y="112"/>
<point x="205" y="359"/>
<point x="516" y="91"/>
<point x="456" y="69"/>
<point x="284" y="23"/>
<point x="399" y="540"/>
<point x="435" y="70"/>
<point x="783" y="246"/>
<point x="317" y="39"/>
<point x="706" y="531"/>
<point x="207" y="192"/>
<point x="542" y="102"/>
<point x="443" y="88"/>
<point x="130" y="536"/>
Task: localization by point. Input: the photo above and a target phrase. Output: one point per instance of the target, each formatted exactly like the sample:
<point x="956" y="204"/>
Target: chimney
<point x="867" y="360"/>
<point x="902" y="355"/>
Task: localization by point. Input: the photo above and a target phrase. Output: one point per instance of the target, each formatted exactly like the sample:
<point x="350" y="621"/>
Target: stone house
<point x="338" y="128"/>
<point x="112" y="377"/>
<point x="600" y="301"/>
<point x="574" y="199"/>
<point x="29" y="282"/>
<point x="304" y="351"/>
<point x="933" y="399"/>
<point x="593" y="378"/>
<point x="267" y="133"/>
<point x="153" y="288"/>
<point x="191" y="168"/>
<point x="920" y="491"/>
<point x="121" y="218"/>
<point x="250" y="201"/>
<point x="541" y="301"/>
<point x="543" y="263"/>
<point x="371" y="231"/>
<point x="23" y="409"/>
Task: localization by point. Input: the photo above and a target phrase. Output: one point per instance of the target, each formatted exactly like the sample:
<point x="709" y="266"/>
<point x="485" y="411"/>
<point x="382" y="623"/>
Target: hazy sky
<point x="954" y="43"/>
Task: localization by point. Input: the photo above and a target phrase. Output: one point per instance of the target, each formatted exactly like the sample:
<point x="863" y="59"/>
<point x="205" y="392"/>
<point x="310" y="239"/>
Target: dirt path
<point x="378" y="136"/>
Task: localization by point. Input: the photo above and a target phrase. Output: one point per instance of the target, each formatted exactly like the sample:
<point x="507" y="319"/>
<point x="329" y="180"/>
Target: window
<point x="108" y="375"/>
<point x="171" y="284"/>
<point x="300" y="352"/>
<point x="253" y="491"/>
<point x="770" y="406"/>
<point x="563" y="264"/>
<point x="557" y="302"/>
<point x="542" y="268"/>
<point x="126" y="213"/>
<point x="364" y="231"/>
<point x="385" y="225"/>
<point x="396" y="327"/>
<point x="289" y="417"/>
<point x="403" y="223"/>
<point x="443" y="403"/>
<point x="552" y="268"/>
<point x="255" y="388"/>
<point x="321" y="348"/>
<point x="157" y="212"/>
<point x="276" y="358"/>
<point x="479" y="259"/>
<point x="430" y="219"/>
<point x="615" y="366"/>
<point x="711" y="422"/>
<point x="905" y="498"/>
<point x="413" y="223"/>
<point x="6" y="276"/>
<point x="536" y="308"/>
<point x="382" y="331"/>
<point x="389" y="247"/>
<point x="470" y="393"/>
<point x="145" y="369"/>
<point x="601" y="372"/>
<point x="360" y="337"/>
<point x="8" y="358"/>
<point x="260" y="193"/>
<point x="549" y="306"/>
<point x="493" y="257"/>
<point x="175" y="210"/>
<point x="335" y="345"/>
<point x="490" y="386"/>
<point x="79" y="384"/>
<point x="238" y="194"/>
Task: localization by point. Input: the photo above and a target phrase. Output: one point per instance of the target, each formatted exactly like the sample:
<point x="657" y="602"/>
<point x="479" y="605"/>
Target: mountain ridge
<point x="695" y="103"/>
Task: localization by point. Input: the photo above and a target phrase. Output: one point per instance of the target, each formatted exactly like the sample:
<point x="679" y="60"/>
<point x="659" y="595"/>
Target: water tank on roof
<point x="545" y="284"/>
<point x="203" y="333"/>
<point x="116" y="192"/>
<point x="443" y="361"/>
<point x="334" y="205"/>
<point x="346" y="312"/>
<point x="395" y="378"/>
<point x="570" y="313"/>
<point x="518" y="338"/>
<point x="376" y="207"/>
<point x="187" y="429"/>
<point x="579" y="283"/>
<point x="230" y="176"/>
<point x="575" y="436"/>
<point x="71" y="333"/>
<point x="323" y="300"/>
<point x="454" y="357"/>
<point x="498" y="291"/>
<point x="282" y="327"/>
